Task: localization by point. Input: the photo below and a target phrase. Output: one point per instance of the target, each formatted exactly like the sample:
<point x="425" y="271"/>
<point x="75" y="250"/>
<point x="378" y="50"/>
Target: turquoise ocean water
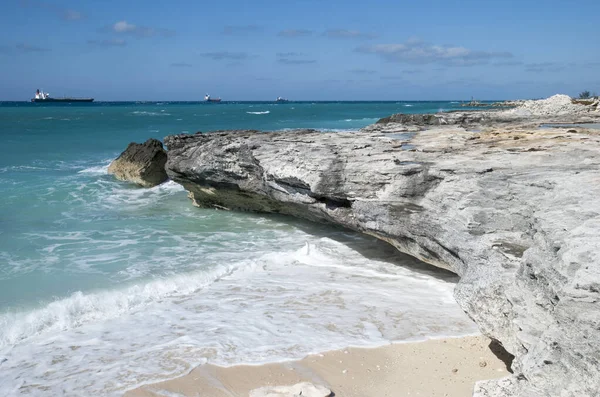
<point x="105" y="286"/>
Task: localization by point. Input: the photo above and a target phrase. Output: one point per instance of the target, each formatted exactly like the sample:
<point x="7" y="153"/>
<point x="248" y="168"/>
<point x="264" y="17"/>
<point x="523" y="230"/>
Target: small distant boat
<point x="207" y="98"/>
<point x="280" y="99"/>
<point x="41" y="96"/>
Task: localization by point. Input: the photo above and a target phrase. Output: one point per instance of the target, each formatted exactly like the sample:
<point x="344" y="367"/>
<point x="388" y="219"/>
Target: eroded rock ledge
<point x="513" y="211"/>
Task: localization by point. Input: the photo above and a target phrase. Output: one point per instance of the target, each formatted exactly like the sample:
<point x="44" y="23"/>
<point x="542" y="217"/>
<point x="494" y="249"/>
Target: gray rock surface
<point x="514" y="211"/>
<point x="141" y="163"/>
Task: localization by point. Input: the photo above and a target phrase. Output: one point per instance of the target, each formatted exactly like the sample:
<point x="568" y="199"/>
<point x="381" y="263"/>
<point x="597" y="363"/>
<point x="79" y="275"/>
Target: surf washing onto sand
<point x="105" y="286"/>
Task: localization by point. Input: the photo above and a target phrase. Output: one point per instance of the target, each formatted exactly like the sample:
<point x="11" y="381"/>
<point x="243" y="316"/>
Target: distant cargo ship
<point x="41" y="96"/>
<point x="280" y="99"/>
<point x="207" y="98"/>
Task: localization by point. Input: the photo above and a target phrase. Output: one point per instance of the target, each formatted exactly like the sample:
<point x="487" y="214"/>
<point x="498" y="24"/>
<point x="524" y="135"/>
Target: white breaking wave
<point x="110" y="194"/>
<point x="366" y="119"/>
<point x="26" y="168"/>
<point x="265" y="112"/>
<point x="80" y="309"/>
<point x="144" y="113"/>
<point x="408" y="105"/>
<point x="279" y="305"/>
<point x="96" y="170"/>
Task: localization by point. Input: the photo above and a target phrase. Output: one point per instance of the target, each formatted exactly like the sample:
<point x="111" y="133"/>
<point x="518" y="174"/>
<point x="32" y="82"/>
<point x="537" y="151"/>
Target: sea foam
<point x="316" y="295"/>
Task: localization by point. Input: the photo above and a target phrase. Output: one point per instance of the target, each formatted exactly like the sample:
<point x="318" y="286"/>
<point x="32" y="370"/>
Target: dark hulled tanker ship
<point x="41" y="96"/>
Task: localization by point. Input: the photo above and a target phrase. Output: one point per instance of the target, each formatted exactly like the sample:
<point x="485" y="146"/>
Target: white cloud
<point x="415" y="51"/>
<point x="123" y="27"/>
<point x="347" y="34"/>
<point x="63" y="13"/>
<point x="363" y="71"/>
<point x="295" y="33"/>
<point x="288" y="61"/>
<point x="291" y="58"/>
<point x="22" y="48"/>
<point x="72" y="15"/>
<point x="116" y="42"/>
<point x="545" y="67"/>
<point x="226" y="55"/>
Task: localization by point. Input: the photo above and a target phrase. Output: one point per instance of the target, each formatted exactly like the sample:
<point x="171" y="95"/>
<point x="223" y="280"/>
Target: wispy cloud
<point x="30" y="48"/>
<point x="226" y="55"/>
<point x="295" y="33"/>
<point x="362" y="71"/>
<point x="465" y="82"/>
<point x="181" y="65"/>
<point x="402" y="75"/>
<point x="22" y="48"/>
<point x="116" y="42"/>
<point x="544" y="67"/>
<point x="63" y="13"/>
<point x="231" y="30"/>
<point x="293" y="58"/>
<point x="289" y="54"/>
<point x="288" y="61"/>
<point x="72" y="15"/>
<point x="338" y="81"/>
<point x="508" y="63"/>
<point x="124" y="27"/>
<point x="415" y="51"/>
<point x="347" y="34"/>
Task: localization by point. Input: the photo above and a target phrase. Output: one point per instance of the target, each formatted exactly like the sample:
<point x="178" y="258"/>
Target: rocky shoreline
<point x="512" y="208"/>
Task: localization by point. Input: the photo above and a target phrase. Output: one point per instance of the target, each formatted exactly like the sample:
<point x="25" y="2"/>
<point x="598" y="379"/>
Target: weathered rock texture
<point x="556" y="105"/>
<point x="515" y="212"/>
<point x="141" y="163"/>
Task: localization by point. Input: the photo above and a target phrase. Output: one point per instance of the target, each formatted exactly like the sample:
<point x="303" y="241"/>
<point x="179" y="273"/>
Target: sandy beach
<point x="443" y="367"/>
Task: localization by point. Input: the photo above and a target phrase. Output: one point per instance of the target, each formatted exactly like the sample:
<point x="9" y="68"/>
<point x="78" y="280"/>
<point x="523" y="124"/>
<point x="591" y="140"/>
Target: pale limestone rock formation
<point x="514" y="211"/>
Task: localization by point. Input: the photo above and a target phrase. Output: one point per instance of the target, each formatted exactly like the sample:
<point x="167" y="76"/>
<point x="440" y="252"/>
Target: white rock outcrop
<point x="515" y="212"/>
<point x="556" y="105"/>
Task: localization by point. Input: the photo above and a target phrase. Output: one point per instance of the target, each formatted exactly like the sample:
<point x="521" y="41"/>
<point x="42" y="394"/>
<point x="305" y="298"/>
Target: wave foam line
<point x="80" y="308"/>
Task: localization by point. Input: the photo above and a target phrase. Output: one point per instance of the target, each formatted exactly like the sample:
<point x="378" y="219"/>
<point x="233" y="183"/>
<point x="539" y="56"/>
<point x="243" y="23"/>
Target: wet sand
<point x="444" y="367"/>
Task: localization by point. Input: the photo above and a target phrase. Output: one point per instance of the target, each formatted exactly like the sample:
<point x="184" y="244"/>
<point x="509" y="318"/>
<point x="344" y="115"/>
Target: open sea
<point x="105" y="286"/>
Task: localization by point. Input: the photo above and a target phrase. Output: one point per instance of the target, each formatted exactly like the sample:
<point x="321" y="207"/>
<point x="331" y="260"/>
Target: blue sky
<point x="304" y="50"/>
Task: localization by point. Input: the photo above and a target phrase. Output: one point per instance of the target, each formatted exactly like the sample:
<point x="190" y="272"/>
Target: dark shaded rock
<point x="438" y="119"/>
<point x="413" y="119"/>
<point x="141" y="163"/>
